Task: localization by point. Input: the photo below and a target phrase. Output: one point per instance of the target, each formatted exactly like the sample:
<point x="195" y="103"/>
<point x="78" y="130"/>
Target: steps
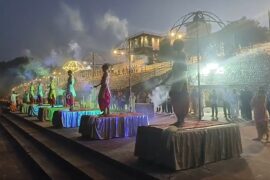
<point x="61" y="158"/>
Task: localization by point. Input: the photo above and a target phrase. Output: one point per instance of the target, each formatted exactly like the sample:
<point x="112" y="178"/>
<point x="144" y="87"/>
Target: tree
<point x="242" y="33"/>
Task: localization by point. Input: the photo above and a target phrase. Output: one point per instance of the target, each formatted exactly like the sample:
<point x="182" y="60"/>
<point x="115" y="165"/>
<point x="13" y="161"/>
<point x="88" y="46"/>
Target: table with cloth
<point x="112" y="126"/>
<point x="24" y="108"/>
<point x="71" y="119"/>
<point x="33" y="109"/>
<point x="145" y="108"/>
<point x="46" y="113"/>
<point x="193" y="145"/>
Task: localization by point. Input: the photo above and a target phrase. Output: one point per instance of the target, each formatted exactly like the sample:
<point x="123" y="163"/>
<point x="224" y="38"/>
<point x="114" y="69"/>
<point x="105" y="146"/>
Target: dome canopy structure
<point x="74" y="66"/>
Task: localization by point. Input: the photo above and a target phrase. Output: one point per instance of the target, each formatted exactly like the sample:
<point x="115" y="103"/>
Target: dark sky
<point x="38" y="27"/>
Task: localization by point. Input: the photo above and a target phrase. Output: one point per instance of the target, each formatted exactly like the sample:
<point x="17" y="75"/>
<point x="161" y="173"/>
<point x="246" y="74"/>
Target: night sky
<point x="38" y="27"/>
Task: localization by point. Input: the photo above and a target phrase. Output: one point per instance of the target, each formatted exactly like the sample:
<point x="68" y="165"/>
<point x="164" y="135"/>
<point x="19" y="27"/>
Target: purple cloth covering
<point x="70" y="119"/>
<point x="111" y="127"/>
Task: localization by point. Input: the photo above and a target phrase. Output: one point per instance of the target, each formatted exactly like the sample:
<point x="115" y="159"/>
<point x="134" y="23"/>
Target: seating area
<point x="245" y="68"/>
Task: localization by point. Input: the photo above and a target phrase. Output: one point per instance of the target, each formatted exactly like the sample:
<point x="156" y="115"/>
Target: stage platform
<point x="33" y="109"/>
<point x="122" y="150"/>
<point x="71" y="119"/>
<point x="194" y="144"/>
<point x="112" y="126"/>
<point x="46" y="113"/>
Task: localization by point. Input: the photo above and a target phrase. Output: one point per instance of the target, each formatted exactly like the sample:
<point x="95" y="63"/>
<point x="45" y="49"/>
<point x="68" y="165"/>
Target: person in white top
<point x="234" y="104"/>
<point x="13" y="100"/>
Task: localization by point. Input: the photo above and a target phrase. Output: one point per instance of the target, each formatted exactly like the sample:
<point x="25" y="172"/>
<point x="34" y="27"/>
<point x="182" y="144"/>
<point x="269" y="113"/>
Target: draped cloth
<point x="179" y="149"/>
<point x="104" y="95"/>
<point x="46" y="113"/>
<point x="70" y="119"/>
<point x="112" y="126"/>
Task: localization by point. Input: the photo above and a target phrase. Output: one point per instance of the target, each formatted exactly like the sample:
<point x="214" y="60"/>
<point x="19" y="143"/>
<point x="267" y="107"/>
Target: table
<point x="46" y="113"/>
<point x="115" y="125"/>
<point x="24" y="108"/>
<point x="183" y="148"/>
<point x="145" y="108"/>
<point x="33" y="109"/>
<point x="70" y="119"/>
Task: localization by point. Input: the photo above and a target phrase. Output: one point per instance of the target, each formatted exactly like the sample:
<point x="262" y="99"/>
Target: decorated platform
<point x="46" y="113"/>
<point x="112" y="126"/>
<point x="34" y="109"/>
<point x="71" y="119"/>
<point x="24" y="108"/>
<point x="192" y="145"/>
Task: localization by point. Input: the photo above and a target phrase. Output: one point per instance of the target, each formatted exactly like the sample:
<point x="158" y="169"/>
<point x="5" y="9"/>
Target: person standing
<point x="52" y="92"/>
<point x="40" y="93"/>
<point x="169" y="105"/>
<point x="132" y="102"/>
<point x="26" y="98"/>
<point x="214" y="103"/>
<point x="226" y="104"/>
<point x="13" y="101"/>
<point x="70" y="93"/>
<point x="177" y="78"/>
<point x="258" y="104"/>
<point x="104" y="95"/>
<point x="245" y="98"/>
<point x="32" y="93"/>
<point x="234" y="104"/>
<point x="194" y="100"/>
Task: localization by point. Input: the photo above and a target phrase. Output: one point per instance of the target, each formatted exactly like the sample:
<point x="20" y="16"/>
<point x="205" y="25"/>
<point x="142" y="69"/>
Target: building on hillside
<point x="198" y="26"/>
<point x="140" y="46"/>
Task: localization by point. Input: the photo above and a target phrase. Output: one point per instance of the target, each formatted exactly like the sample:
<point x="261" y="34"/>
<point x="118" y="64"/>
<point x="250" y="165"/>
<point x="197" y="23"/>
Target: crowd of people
<point x="37" y="95"/>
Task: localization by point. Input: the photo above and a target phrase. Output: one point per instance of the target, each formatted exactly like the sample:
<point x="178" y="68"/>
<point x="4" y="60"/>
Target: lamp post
<point x="129" y="74"/>
<point x="125" y="49"/>
<point x="197" y="18"/>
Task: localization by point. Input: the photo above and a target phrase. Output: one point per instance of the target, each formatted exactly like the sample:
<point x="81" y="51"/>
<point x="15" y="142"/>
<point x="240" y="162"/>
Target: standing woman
<point x="70" y="94"/>
<point x="32" y="93"/>
<point x="177" y="78"/>
<point x="258" y="104"/>
<point x="52" y="92"/>
<point x="104" y="95"/>
<point x="40" y="93"/>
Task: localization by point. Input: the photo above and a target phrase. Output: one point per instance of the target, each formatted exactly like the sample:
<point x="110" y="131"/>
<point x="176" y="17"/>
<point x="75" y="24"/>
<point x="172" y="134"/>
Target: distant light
<point x="180" y="36"/>
<point x="213" y="68"/>
<point x="88" y="67"/>
<point x="172" y="34"/>
<point x="122" y="53"/>
<point x="115" y="52"/>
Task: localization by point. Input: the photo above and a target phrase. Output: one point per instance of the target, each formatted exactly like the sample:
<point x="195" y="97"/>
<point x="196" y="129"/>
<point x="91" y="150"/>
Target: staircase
<point x="60" y="158"/>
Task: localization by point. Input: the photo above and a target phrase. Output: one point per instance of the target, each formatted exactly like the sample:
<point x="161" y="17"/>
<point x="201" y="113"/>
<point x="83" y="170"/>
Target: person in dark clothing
<point x="245" y="99"/>
<point x="213" y="99"/>
<point x="164" y="107"/>
<point x="169" y="106"/>
<point x="226" y="104"/>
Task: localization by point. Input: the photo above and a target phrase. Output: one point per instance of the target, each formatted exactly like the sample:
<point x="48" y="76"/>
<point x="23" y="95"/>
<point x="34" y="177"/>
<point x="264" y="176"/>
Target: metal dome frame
<point x="196" y="17"/>
<point x="204" y="16"/>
